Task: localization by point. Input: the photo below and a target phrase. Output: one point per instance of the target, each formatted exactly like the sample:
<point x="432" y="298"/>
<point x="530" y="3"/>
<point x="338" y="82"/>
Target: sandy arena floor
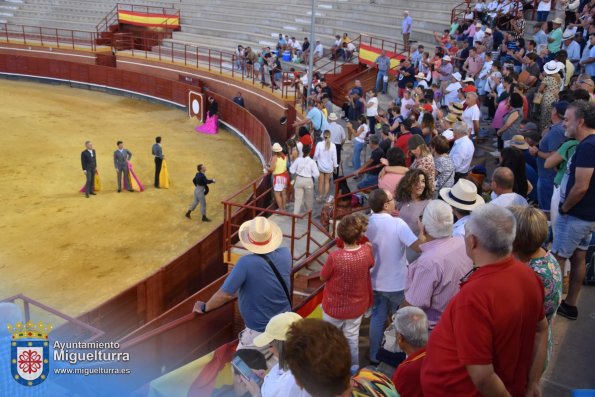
<point x="74" y="253"/>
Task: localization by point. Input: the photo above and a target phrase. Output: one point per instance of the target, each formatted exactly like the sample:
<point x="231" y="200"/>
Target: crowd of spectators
<point x="467" y="270"/>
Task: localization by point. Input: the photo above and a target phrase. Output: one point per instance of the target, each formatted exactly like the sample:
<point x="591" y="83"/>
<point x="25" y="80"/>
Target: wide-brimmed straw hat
<point x="552" y="67"/>
<point x="446" y="58"/>
<point x="456" y="108"/>
<point x="463" y="195"/>
<point x="260" y="236"/>
<point x="277" y="148"/>
<point x="558" y="21"/>
<point x="568" y="34"/>
<point x="332" y="117"/>
<point x="518" y="141"/>
<point x="451" y="118"/>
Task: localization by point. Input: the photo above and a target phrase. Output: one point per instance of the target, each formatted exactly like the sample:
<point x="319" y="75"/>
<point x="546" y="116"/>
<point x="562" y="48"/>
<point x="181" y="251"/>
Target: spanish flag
<point x="208" y="374"/>
<point x="198" y="378"/>
<point x="369" y="54"/>
<point x="150" y="20"/>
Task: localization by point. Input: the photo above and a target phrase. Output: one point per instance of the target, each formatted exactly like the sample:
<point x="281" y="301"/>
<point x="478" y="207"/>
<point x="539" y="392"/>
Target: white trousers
<point x="350" y="329"/>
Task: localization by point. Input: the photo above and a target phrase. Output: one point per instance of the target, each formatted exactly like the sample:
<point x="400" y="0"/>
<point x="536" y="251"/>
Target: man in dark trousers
<point x="200" y="192"/>
<point x="158" y="153"/>
<point x="89" y="163"/>
<point x="121" y="158"/>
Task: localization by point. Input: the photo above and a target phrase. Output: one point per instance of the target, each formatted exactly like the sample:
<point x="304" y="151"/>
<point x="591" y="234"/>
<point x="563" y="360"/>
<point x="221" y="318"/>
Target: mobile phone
<point x="243" y="368"/>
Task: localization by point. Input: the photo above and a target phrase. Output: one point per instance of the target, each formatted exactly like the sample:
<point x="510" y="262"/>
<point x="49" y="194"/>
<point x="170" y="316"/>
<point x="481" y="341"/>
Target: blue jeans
<point x="570" y="234"/>
<point x="542" y="16"/>
<point x="545" y="190"/>
<point x="380" y="81"/>
<point x="368" y="181"/>
<point x="356" y="159"/>
<point x="384" y="302"/>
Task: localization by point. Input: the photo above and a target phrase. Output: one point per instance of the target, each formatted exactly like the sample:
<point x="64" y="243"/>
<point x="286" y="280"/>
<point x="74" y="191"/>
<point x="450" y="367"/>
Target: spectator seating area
<point x="222" y="25"/>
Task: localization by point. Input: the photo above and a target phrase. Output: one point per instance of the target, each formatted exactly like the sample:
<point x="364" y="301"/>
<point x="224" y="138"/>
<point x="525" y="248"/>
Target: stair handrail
<point x="458" y="10"/>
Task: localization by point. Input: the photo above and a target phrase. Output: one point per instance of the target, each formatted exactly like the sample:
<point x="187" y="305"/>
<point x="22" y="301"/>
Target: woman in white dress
<point x="325" y="156"/>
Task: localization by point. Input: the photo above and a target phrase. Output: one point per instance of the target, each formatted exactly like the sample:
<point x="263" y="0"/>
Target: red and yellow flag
<point x="369" y="54"/>
<point x="150" y="20"/>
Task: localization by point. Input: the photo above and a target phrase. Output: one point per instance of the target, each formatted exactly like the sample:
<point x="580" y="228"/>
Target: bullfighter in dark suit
<point x="158" y="153"/>
<point x="121" y="158"/>
<point x="89" y="163"/>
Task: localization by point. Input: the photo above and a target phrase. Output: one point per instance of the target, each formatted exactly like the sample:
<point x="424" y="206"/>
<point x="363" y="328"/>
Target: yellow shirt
<point x="280" y="165"/>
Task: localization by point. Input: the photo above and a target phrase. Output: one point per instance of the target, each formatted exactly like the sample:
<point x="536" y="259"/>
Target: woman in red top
<point x="348" y="291"/>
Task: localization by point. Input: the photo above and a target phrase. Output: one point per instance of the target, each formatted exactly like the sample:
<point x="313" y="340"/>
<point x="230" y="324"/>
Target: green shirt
<point x="453" y="28"/>
<point x="565" y="151"/>
<point x="555" y="45"/>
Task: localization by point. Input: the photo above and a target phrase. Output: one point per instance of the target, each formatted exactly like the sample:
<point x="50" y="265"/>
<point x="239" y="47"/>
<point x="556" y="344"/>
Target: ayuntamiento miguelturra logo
<point x="29" y="347"/>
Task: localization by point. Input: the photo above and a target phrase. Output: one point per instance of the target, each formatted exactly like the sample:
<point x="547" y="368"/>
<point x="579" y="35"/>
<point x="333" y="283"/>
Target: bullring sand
<point x="73" y="253"/>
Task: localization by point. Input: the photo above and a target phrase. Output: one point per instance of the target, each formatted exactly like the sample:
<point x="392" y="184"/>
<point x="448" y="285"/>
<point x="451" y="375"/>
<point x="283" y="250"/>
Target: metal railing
<point x="65" y="325"/>
<point x="60" y="38"/>
<point x="237" y="212"/>
<point x="219" y="61"/>
<point x="463" y="8"/>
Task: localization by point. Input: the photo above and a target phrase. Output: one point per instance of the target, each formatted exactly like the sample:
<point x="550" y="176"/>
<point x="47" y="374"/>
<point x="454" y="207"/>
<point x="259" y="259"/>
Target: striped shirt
<point x="433" y="279"/>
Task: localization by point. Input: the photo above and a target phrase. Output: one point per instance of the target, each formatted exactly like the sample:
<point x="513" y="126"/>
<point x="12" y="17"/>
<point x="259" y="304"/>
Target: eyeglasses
<point x="466" y="277"/>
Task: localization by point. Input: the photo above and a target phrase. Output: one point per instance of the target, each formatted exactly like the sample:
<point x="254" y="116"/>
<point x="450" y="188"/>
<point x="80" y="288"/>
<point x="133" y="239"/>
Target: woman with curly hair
<point x="413" y="193"/>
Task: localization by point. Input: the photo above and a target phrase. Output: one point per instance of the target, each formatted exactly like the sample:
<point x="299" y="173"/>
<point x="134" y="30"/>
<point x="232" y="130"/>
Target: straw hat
<point x="420" y="76"/>
<point x="558" y="21"/>
<point x="552" y="67"/>
<point x="488" y="31"/>
<point x="518" y="141"/>
<point x="451" y="118"/>
<point x="568" y="34"/>
<point x="457" y="76"/>
<point x="446" y="58"/>
<point x="277" y="148"/>
<point x="277" y="328"/>
<point x="456" y="108"/>
<point x="469" y="80"/>
<point x="332" y="117"/>
<point x="463" y="195"/>
<point x="260" y="236"/>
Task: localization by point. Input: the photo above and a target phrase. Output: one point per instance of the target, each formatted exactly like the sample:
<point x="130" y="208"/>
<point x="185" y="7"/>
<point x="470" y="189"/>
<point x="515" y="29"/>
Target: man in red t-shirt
<point x="491" y="339"/>
<point x="411" y="324"/>
<point x="403" y="140"/>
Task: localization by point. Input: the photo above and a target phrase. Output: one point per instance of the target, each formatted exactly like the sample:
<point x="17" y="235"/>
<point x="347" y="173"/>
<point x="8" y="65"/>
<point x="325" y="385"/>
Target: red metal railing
<point x="65" y="326"/>
<point x="460" y="10"/>
<point x="112" y="17"/>
<point x="60" y="38"/>
<point x="235" y="213"/>
<point x="222" y="62"/>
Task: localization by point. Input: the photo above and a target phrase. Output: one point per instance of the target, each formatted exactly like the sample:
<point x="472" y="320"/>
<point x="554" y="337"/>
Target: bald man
<point x="502" y="183"/>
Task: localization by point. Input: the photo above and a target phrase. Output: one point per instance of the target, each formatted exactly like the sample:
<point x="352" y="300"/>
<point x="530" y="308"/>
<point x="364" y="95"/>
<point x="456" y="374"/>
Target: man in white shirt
<point x="338" y="137"/>
<point x="493" y="9"/>
<point x="318" y="51"/>
<point x="462" y="151"/>
<point x="390" y="236"/>
<point x="479" y="33"/>
<point x="502" y="184"/>
<point x="472" y="114"/>
<point x="406" y="29"/>
<point x="573" y="49"/>
<point x="451" y="92"/>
